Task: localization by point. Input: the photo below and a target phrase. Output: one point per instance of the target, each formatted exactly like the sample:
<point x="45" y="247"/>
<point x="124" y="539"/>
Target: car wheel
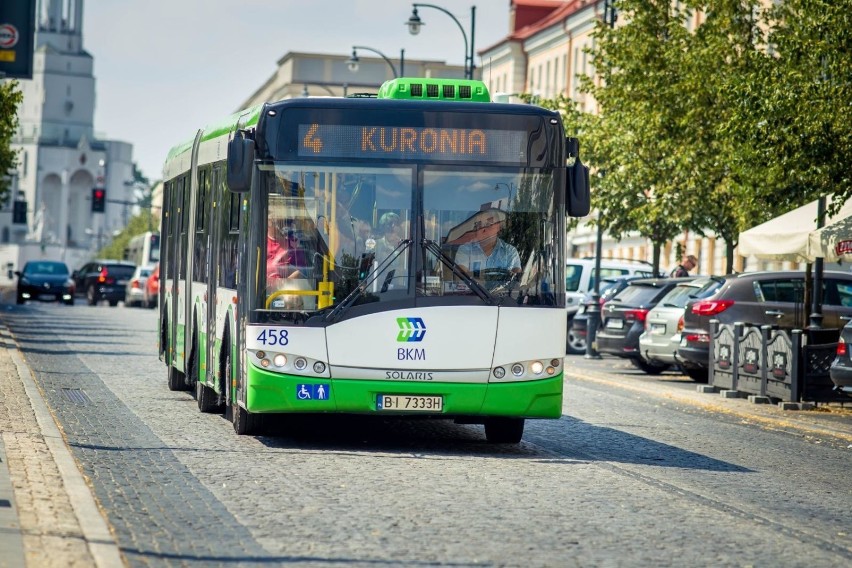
<point x="91" y="295"/>
<point x="504" y="430"/>
<point x="576" y="343"/>
<point x="19" y="299"/>
<point x="113" y="303"/>
<point x="69" y="302"/>
<point x="697" y="374"/>
<point x="650" y="368"/>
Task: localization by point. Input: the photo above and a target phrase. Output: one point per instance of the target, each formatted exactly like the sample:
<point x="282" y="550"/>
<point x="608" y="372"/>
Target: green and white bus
<point x="392" y="255"/>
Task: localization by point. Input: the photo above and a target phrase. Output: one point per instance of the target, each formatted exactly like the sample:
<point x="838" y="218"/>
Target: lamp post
<point x="414" y="23"/>
<point x="354" y="61"/>
<point x="594" y="310"/>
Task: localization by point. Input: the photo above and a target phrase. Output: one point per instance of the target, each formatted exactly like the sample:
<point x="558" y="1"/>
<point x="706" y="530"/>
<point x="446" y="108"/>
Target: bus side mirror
<point x="578" y="198"/>
<point x="240" y="161"/>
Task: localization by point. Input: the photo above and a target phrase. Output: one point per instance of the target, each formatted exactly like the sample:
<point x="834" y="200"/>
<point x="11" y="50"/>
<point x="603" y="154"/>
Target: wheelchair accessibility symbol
<point x="313" y="392"/>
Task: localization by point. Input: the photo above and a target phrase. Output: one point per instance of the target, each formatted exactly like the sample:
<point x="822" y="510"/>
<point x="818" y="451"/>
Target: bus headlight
<point x="517" y="369"/>
<point x="300" y="364"/>
<point x="319" y="367"/>
<point x="499" y="372"/>
<point x="537" y="367"/>
<point x="280" y="360"/>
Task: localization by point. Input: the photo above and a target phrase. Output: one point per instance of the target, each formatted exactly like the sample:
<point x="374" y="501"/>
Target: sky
<point x="164" y="68"/>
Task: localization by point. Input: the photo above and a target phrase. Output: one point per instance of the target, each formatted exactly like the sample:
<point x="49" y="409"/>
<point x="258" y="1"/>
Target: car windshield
<point x="53" y="268"/>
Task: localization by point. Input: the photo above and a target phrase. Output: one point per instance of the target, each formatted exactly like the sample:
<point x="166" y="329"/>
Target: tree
<point x="794" y="109"/>
<point x="10" y="99"/>
<point x="634" y="141"/>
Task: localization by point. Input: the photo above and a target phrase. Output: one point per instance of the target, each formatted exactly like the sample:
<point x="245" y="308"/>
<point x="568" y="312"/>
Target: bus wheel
<point x="206" y="397"/>
<point x="504" y="430"/>
<point x="176" y="380"/>
<point x="245" y="423"/>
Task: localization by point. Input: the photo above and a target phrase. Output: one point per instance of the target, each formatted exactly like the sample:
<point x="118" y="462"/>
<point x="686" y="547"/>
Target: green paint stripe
<point x="273" y="392"/>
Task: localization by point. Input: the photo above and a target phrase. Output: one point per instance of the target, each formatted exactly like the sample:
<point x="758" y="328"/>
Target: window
<point x="234" y="218"/>
<point x="792" y="291"/>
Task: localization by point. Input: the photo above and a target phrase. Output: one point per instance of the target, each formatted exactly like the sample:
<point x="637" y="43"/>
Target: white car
<point x="580" y="283"/>
<point x="134" y="293"/>
<point x="659" y="342"/>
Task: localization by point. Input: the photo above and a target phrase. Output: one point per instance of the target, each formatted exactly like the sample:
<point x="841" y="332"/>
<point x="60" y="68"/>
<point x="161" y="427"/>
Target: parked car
<point x="659" y="342"/>
<point x="578" y="330"/>
<point x="623" y="320"/>
<point x="134" y="292"/>
<point x="151" y="289"/>
<point x="761" y="298"/>
<point x="580" y="281"/>
<point x="46" y="281"/>
<point x="841" y="368"/>
<point x="104" y="280"/>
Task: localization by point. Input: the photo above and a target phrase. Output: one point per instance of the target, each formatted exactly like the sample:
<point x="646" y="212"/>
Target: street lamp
<point x="354" y="61"/>
<point x="414" y="23"/>
<point x="509" y="188"/>
<point x="305" y="92"/>
<point x="593" y="312"/>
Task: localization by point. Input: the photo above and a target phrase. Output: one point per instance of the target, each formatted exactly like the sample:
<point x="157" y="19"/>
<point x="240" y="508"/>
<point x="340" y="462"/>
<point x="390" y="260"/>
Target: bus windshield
<point x="365" y="236"/>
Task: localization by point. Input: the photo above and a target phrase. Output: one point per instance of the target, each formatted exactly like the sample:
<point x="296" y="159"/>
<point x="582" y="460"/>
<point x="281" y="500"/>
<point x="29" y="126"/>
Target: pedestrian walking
<point x="688" y="263"/>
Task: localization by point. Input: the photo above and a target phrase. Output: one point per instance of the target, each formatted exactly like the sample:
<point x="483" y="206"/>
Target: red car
<point x="152" y="288"/>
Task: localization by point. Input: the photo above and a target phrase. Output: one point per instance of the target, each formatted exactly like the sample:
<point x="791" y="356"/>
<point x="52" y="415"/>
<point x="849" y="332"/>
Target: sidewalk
<point x="48" y="516"/>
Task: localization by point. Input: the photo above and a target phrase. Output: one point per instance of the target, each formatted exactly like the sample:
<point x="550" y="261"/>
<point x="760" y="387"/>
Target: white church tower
<point x="61" y="160"/>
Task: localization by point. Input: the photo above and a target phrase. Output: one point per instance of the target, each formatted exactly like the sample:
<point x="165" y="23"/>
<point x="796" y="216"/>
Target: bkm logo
<point x="410" y="329"/>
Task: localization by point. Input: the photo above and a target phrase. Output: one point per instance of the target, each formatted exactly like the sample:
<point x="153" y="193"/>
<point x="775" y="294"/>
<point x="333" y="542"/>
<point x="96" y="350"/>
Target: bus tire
<point x="502" y="430"/>
<point x="206" y="398"/>
<point x="176" y="380"/>
<point x="245" y="423"/>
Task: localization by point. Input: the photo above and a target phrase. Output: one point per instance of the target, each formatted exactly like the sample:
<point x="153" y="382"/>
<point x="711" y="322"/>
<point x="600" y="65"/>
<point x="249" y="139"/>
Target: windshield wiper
<point x="435" y="249"/>
<point x="371" y="277"/>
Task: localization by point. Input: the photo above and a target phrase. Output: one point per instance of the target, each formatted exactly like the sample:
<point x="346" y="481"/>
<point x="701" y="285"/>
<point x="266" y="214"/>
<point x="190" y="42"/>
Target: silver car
<point x="659" y="342"/>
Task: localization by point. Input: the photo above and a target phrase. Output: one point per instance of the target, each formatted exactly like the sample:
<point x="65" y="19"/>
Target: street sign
<point x="17" y="38"/>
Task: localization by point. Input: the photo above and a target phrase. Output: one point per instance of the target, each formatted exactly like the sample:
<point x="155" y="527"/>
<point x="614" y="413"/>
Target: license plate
<point x="615" y="323"/>
<point x="658" y="329"/>
<point x="45" y="297"/>
<point x="122" y="282"/>
<point x="410" y="403"/>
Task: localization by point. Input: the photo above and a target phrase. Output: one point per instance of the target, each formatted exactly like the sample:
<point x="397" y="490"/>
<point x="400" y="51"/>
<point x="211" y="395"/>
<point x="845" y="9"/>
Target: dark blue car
<point x="46" y="281"/>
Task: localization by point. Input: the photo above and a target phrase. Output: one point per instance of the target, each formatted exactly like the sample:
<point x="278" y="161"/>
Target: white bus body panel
<point x="530" y="333"/>
<point x="452" y="338"/>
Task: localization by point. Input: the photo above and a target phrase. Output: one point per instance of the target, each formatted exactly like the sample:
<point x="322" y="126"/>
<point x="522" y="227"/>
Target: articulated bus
<point x="398" y="255"/>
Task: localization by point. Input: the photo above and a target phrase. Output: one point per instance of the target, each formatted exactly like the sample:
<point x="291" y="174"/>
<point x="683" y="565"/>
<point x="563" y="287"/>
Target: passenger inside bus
<point x="285" y="256"/>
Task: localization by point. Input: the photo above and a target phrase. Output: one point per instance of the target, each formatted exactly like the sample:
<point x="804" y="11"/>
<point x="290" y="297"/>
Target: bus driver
<point x="484" y="251"/>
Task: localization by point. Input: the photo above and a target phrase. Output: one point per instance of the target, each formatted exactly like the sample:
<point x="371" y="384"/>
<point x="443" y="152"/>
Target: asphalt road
<point x="639" y="471"/>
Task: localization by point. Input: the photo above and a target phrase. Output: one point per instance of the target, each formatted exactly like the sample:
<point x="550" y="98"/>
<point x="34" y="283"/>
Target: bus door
<point x="216" y="216"/>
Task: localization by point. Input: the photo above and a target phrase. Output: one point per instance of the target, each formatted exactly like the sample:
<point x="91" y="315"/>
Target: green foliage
<point x="10" y="99"/>
<point x="137" y="225"/>
<point x="720" y="127"/>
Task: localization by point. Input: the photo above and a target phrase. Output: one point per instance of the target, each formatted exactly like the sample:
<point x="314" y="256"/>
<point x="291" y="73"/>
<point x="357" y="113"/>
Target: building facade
<point x="61" y="160"/>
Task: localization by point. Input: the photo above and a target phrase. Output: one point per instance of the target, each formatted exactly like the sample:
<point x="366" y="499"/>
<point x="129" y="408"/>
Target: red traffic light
<point x="98" y="200"/>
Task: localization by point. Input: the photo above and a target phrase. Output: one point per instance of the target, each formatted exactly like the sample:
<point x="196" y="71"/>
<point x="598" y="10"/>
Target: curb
<point x="767" y="416"/>
<point x="99" y="539"/>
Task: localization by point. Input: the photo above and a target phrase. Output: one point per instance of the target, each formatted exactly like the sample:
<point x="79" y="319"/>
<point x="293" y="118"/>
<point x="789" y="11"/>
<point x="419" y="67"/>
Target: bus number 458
<point x="273" y="337"/>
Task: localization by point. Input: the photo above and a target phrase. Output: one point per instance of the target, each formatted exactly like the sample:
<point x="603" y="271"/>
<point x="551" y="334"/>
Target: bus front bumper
<point x="281" y="393"/>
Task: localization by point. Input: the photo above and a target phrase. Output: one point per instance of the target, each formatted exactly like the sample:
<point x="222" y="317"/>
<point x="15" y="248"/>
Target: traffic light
<point x="19" y="213"/>
<point x="98" y="200"/>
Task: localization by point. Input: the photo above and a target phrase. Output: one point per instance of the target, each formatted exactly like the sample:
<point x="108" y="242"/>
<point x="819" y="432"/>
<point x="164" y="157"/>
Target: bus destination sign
<point x="412" y="143"/>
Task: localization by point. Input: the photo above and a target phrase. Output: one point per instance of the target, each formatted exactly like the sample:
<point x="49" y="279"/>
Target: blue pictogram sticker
<point x="313" y="392"/>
